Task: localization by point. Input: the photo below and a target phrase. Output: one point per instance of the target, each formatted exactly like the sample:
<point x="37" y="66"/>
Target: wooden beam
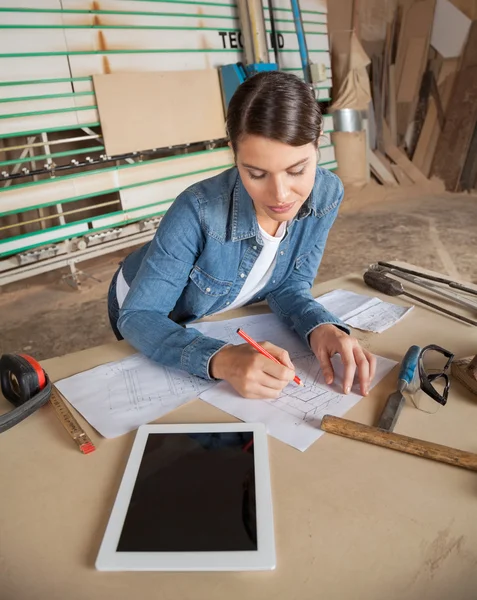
<point x="392" y="114"/>
<point x="406" y="165"/>
<point x="399" y="174"/>
<point x="461" y="118"/>
<point x="431" y="130"/>
<point x="380" y="170"/>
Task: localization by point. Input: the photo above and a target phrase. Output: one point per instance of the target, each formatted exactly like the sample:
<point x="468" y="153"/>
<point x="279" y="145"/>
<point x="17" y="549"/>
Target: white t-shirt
<point x="262" y="270"/>
<point x="257" y="279"/>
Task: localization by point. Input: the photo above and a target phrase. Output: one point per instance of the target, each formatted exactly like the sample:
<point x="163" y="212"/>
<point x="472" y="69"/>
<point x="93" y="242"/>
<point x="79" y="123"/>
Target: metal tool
<point x="437" y="289"/>
<point x="453" y="284"/>
<point x="68" y="421"/>
<point x="383" y="434"/>
<point x="27" y="386"/>
<point x="391" y="287"/>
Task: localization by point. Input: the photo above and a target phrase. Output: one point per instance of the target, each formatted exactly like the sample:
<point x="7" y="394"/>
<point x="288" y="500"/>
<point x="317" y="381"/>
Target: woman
<point x="254" y="232"/>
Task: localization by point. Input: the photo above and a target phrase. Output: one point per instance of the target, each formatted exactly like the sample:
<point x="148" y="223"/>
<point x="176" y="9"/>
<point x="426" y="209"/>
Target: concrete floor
<point x="46" y="317"/>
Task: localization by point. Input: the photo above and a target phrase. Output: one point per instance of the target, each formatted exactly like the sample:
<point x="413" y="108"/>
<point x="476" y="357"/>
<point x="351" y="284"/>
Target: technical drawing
<point x="133" y="386"/>
<point x="310" y="402"/>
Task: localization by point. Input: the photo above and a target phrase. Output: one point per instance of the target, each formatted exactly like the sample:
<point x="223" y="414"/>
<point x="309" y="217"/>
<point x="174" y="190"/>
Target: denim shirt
<point x="200" y="257"/>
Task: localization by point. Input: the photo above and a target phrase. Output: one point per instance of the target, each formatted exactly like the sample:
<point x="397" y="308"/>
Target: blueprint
<point x="120" y="396"/>
<point x="363" y="312"/>
<point x="295" y="416"/>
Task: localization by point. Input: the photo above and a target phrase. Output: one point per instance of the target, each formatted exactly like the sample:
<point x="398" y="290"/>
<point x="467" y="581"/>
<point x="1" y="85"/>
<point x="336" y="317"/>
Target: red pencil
<point x="259" y="348"/>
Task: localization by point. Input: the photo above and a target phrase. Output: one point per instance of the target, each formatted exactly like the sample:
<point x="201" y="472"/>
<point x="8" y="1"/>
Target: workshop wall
<point x="49" y="51"/>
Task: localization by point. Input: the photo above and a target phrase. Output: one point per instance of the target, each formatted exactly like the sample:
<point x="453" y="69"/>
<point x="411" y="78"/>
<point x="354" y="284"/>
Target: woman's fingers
<point x="349" y="363"/>
<point x="372" y="364"/>
<point x="363" y="369"/>
<point x="326" y="367"/>
<point x="279" y="353"/>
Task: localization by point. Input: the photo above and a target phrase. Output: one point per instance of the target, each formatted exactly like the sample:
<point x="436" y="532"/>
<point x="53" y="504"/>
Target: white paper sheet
<point x="363" y="312"/>
<point x="295" y="416"/>
<point x="120" y="396"/>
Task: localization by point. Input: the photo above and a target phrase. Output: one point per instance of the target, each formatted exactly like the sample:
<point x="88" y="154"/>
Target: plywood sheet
<point x="461" y="118"/>
<point x="449" y="30"/>
<point x="431" y="129"/>
<point x="139" y="111"/>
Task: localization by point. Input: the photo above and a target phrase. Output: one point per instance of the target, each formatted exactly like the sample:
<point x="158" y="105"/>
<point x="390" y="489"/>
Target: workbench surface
<point x="352" y="520"/>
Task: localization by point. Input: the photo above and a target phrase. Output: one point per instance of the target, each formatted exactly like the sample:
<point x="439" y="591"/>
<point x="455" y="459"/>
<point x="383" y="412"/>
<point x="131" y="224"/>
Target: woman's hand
<point x="327" y="340"/>
<point x="252" y="374"/>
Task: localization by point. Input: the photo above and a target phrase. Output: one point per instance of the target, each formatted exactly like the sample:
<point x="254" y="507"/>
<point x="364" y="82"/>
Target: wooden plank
<point x="406" y="165"/>
<point x="417" y="20"/>
<point x="380" y="170"/>
<point x="468" y="180"/>
<point x="139" y="111"/>
<point x="461" y="118"/>
<point x="382" y="157"/>
<point x="427" y="142"/>
<point x="408" y="89"/>
<point x="399" y="174"/>
<point x="411" y="58"/>
<point x="392" y="112"/>
<point x="378" y="100"/>
<point x="450" y="29"/>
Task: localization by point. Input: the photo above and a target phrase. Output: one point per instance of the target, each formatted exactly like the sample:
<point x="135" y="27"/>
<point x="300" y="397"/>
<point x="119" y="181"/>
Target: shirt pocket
<point x="208" y="285"/>
<point x="301" y="260"/>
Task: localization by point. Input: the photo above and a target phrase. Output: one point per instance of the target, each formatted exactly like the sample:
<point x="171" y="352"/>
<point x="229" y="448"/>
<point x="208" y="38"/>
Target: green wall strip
<point x="126" y="187"/>
<point x="116" y="189"/>
<point x="131" y="51"/>
<point x="41" y="157"/>
<point x="99" y="27"/>
<point x="113" y="168"/>
<point x="124" y="12"/>
<point x="42" y="81"/>
<point x="50" y="130"/>
<point x="138" y="51"/>
<point x="128" y="166"/>
<point x="47" y="96"/>
<point x="47" y="112"/>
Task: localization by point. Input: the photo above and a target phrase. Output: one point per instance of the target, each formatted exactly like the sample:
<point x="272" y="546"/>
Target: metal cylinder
<point x="348" y="119"/>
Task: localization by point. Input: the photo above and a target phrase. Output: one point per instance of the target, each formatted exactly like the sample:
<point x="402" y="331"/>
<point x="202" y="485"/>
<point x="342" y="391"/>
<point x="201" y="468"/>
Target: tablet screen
<point x="194" y="492"/>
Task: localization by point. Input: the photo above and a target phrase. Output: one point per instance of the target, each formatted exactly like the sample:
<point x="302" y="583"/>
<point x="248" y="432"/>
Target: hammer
<point x="383" y="435"/>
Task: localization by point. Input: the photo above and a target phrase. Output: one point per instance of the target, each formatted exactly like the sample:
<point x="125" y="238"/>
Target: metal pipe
<point x="51" y="142"/>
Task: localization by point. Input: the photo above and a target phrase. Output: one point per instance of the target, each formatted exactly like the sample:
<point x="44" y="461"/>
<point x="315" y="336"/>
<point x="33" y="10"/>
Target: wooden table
<point x="352" y="520"/>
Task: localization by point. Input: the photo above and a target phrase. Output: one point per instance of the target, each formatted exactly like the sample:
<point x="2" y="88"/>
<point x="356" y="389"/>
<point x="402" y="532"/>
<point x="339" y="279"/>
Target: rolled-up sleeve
<point x="163" y="275"/>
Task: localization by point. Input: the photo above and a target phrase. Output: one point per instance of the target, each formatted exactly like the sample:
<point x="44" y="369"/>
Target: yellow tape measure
<point x="66" y="418"/>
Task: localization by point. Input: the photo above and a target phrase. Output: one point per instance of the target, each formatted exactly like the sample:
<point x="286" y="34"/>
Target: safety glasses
<point x="433" y="367"/>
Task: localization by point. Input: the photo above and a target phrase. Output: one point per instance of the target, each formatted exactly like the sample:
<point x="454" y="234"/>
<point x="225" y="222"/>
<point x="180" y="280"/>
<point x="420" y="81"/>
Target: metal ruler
<point x="66" y="418"/>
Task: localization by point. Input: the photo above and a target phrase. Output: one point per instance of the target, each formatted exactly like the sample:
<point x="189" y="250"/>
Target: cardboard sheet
<point x="140" y="111"/>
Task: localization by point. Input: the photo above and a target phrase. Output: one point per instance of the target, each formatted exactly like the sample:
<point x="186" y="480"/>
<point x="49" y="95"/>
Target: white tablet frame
<point x="258" y="560"/>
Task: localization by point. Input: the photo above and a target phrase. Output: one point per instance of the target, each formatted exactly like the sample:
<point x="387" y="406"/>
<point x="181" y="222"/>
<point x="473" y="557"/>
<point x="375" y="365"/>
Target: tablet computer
<point x="193" y="498"/>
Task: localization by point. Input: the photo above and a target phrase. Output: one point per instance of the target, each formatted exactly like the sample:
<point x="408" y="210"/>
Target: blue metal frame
<point x="234" y="75"/>
<point x="301" y="40"/>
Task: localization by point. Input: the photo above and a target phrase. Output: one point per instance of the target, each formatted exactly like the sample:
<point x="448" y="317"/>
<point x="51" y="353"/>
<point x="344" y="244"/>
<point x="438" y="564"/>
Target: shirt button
<point x="227" y="303"/>
<point x="273" y="281"/>
<point x="242" y="275"/>
<point x="254" y="247"/>
<point x="282" y="253"/>
<point x="207" y="289"/>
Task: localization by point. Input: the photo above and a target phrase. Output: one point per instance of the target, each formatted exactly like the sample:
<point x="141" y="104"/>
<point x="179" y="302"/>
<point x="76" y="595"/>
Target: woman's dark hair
<point x="275" y="105"/>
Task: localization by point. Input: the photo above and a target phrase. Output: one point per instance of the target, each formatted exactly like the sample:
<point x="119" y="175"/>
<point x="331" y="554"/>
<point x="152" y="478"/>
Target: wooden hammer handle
<point x="401" y="443"/>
